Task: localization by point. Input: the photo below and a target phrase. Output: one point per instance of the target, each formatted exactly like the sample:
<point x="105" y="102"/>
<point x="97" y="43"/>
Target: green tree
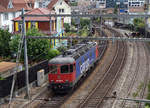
<point x="61" y="49"/>
<point x="4" y="42"/>
<point x="67" y="27"/>
<point x="52" y="53"/>
<point x="36" y="48"/>
<point x="138" y="23"/>
<point x="116" y="9"/>
<point x="84" y="22"/>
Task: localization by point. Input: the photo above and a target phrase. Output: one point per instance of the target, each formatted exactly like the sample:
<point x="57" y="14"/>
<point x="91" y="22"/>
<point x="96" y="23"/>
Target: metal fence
<point x="5" y="85"/>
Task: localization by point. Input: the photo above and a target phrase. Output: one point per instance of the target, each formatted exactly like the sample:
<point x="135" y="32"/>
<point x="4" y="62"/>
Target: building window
<point x="61" y="11"/>
<point x="40" y="4"/>
<point x="6" y="16"/>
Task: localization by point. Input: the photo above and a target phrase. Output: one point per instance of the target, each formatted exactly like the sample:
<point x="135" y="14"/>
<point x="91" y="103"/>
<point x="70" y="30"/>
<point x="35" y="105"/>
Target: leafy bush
<point x="52" y="53"/>
<point x="84" y="22"/>
<point x="138" y="23"/>
<point x="67" y="27"/>
<point x="148" y="96"/>
<point x="61" y="49"/>
<point x="36" y="47"/>
<point x="4" y="42"/>
<point x="74" y="4"/>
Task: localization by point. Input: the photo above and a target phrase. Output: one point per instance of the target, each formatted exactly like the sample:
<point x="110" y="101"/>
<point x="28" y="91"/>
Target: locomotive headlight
<point x="52" y="80"/>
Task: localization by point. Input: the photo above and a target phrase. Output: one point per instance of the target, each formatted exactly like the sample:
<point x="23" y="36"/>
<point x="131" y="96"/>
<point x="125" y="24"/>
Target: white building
<point x="136" y="3"/>
<point x="10" y="9"/>
<point x="61" y="7"/>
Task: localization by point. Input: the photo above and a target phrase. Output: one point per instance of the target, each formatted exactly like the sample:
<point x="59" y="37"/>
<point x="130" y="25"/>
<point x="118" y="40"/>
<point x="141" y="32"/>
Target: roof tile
<point x="37" y="11"/>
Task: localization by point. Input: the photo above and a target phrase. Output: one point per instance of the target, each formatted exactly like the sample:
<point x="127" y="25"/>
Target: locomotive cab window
<point x="71" y="68"/>
<point x="65" y="69"/>
<point x="53" y="69"/>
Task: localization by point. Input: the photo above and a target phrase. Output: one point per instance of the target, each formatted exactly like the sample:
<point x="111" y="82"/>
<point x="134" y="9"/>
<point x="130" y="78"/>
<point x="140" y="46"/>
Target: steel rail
<point x="93" y="102"/>
<point x="132" y="81"/>
<point x="146" y="76"/>
<point x="84" y="103"/>
<point x="55" y="101"/>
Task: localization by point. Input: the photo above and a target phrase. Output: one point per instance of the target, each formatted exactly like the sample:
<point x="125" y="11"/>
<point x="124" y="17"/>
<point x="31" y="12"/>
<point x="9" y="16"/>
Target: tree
<point x="4" y="42"/>
<point x="116" y="9"/>
<point x="61" y="49"/>
<point x="52" y="53"/>
<point x="36" y="48"/>
<point x="67" y="27"/>
<point x="84" y="22"/>
<point x="138" y="23"/>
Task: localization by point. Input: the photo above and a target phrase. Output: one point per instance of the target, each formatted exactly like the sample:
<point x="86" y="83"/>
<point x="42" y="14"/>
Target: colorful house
<point x="50" y="26"/>
<point x="46" y="25"/>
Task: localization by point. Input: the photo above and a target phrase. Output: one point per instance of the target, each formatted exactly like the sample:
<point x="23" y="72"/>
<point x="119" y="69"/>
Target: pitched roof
<point x="4" y="3"/>
<point x="51" y="4"/>
<point x="17" y="5"/>
<point x="37" y="11"/>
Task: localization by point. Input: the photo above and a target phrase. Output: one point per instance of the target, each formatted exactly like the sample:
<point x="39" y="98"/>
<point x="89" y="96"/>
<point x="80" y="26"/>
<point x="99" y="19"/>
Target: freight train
<point x="68" y="68"/>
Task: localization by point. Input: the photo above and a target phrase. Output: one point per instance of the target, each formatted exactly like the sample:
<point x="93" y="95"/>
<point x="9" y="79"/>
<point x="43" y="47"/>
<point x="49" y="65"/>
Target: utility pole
<point x="25" y="55"/>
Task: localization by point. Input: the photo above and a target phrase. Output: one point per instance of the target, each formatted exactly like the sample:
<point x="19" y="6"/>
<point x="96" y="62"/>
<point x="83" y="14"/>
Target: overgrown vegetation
<point x="72" y="30"/>
<point x="116" y="9"/>
<point x="5" y="37"/>
<point x="38" y="49"/>
<point x="74" y="4"/>
<point x="52" y="53"/>
<point x="138" y="24"/>
<point x="135" y="94"/>
<point x="148" y="96"/>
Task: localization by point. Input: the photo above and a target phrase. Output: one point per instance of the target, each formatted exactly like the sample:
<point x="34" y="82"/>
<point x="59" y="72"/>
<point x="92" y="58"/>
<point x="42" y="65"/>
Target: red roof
<point x="4" y="3"/>
<point x="37" y="11"/>
<point x="17" y="5"/>
<point x="51" y="4"/>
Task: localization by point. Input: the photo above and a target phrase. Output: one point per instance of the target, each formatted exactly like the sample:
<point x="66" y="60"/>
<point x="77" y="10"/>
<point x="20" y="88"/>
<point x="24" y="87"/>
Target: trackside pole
<point x="25" y="55"/>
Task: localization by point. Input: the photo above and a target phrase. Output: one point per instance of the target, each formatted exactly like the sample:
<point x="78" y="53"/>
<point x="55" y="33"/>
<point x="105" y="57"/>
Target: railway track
<point x="145" y="77"/>
<point x="133" y="79"/>
<point x="96" y="97"/>
<point x="56" y="101"/>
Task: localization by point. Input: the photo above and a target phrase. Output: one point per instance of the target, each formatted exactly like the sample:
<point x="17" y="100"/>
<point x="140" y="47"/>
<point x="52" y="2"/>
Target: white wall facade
<point x="41" y="4"/>
<point x="61" y="7"/>
<point x="8" y="23"/>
